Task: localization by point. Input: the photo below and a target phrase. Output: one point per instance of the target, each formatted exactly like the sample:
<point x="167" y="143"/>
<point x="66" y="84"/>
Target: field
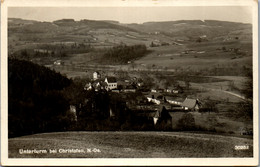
<point x="131" y="145"/>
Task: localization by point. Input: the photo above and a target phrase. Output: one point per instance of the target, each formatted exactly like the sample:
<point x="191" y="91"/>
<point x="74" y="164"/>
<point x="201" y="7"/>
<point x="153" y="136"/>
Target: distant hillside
<point x="18" y="21"/>
<point x="109" y="33"/>
<point x="65" y="25"/>
<point x="171" y="44"/>
<point x="25" y="34"/>
<point x="193" y="28"/>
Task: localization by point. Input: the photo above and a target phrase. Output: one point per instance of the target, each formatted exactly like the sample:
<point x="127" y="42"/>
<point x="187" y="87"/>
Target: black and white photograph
<point x="129" y="83"/>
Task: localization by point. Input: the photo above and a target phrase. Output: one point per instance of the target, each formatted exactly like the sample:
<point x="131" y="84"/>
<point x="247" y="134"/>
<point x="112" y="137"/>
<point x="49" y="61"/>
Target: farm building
<point x="111" y="83"/>
<point x="191" y="104"/>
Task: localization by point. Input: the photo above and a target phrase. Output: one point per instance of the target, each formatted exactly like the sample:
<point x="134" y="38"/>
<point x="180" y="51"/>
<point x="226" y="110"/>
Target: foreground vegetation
<point x="131" y="145"/>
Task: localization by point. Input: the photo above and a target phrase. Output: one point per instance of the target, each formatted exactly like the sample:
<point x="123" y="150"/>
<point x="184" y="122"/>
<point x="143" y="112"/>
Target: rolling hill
<point x="112" y="32"/>
<point x="194" y="28"/>
<point x="186" y="44"/>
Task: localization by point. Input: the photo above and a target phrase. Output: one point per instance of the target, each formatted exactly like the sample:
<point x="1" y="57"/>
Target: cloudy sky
<point x="134" y="14"/>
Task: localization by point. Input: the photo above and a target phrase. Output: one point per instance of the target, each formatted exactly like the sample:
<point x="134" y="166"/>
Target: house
<point x="172" y="100"/>
<point x="160" y="90"/>
<point x="58" y="62"/>
<point x="155" y="97"/>
<point x="111" y="83"/>
<point x="153" y="90"/>
<point x="191" y="104"/>
<point x="96" y="75"/>
<point x="99" y="84"/>
<point x="130" y="88"/>
<point x="88" y="86"/>
<point x="162" y="119"/>
<point x="115" y="90"/>
<point x="168" y="91"/>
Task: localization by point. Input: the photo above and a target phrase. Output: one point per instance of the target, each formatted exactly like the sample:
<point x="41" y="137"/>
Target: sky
<point x="135" y="14"/>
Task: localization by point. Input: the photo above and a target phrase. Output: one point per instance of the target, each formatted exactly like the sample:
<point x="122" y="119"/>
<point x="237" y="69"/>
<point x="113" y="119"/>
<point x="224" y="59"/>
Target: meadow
<point x="131" y="145"/>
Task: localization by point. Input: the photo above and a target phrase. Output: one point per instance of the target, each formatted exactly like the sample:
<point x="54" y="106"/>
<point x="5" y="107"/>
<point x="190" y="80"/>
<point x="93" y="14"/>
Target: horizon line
<point x="77" y="20"/>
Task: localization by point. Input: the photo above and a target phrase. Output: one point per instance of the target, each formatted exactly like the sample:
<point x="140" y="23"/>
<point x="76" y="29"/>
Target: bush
<point x="187" y="122"/>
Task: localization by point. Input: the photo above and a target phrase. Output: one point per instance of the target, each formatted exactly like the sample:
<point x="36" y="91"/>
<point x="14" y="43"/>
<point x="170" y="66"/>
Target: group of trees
<point x="122" y="54"/>
<point x="35" y="99"/>
<point x="58" y="51"/>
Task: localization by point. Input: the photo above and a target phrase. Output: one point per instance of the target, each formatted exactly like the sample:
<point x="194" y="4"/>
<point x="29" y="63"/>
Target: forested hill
<point x="35" y="99"/>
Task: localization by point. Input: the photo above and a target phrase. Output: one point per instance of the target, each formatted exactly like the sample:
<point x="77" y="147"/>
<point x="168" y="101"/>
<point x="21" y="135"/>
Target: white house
<point x="155" y="97"/>
<point x="172" y="100"/>
<point x="111" y="83"/>
<point x="153" y="100"/>
<point x="96" y="75"/>
<point x="88" y="86"/>
<point x="57" y="62"/>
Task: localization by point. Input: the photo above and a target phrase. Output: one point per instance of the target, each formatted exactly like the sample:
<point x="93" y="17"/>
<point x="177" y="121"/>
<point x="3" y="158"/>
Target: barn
<point x="191" y="104"/>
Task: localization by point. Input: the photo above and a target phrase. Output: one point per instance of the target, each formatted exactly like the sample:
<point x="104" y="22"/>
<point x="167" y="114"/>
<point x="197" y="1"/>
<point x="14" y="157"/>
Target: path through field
<point x="194" y="85"/>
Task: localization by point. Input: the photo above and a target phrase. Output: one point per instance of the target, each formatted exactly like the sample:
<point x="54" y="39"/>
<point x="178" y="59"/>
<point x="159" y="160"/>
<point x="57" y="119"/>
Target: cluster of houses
<point x="188" y="104"/>
<point x="155" y="96"/>
<point x="111" y="84"/>
<point x="159" y="97"/>
<point x="97" y="83"/>
<point x="156" y="106"/>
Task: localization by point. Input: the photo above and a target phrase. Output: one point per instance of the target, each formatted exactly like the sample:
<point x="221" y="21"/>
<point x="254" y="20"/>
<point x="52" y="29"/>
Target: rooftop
<point x="190" y="103"/>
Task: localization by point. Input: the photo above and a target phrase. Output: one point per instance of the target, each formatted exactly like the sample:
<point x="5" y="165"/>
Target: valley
<point x="207" y="60"/>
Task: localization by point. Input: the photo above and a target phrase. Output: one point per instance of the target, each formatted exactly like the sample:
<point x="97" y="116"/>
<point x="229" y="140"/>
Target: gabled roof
<point x="97" y="80"/>
<point x="111" y="79"/>
<point x="162" y="113"/>
<point x="190" y="103"/>
<point x="170" y="98"/>
<point x="96" y="72"/>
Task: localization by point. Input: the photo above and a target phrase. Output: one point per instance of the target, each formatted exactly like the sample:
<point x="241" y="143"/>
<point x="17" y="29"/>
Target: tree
<point x="187" y="122"/>
<point x="187" y="84"/>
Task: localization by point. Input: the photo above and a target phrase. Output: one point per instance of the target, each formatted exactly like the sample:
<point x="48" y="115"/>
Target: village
<point x="153" y="106"/>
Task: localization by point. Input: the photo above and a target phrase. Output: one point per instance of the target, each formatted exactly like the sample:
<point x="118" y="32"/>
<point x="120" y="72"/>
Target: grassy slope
<point x="132" y="145"/>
